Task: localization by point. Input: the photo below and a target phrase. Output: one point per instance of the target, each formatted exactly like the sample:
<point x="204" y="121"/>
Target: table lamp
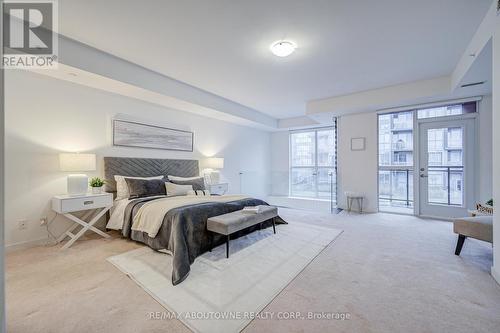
<point x="74" y="162"/>
<point x="211" y="173"/>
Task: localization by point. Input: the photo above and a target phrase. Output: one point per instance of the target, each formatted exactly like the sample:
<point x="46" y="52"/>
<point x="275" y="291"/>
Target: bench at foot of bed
<point x="230" y="223"/>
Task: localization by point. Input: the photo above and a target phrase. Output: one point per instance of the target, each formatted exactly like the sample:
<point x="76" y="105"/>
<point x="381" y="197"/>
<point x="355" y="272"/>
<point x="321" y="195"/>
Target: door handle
<point x="423" y="176"/>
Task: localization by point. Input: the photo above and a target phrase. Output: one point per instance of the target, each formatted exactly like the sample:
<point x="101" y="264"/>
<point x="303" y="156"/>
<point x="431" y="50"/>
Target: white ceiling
<point x="222" y="46"/>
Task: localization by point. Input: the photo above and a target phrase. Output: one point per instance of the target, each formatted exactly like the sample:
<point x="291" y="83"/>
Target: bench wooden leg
<point x="460" y="243"/>
<point x="274" y="225"/>
<point x="227" y="247"/>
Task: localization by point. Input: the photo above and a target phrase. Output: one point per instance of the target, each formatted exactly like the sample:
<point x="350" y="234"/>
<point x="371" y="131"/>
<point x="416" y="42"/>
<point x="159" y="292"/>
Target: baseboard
<point x="431" y="217"/>
<point x="495" y="273"/>
<point x="28" y="244"/>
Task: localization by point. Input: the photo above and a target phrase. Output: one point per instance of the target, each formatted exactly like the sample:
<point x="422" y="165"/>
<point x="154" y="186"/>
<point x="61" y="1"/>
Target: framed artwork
<point x="358" y="144"/>
<point x="133" y="134"/>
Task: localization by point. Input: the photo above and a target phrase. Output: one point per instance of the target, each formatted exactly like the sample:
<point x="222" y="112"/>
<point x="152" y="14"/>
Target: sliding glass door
<point x="313" y="163"/>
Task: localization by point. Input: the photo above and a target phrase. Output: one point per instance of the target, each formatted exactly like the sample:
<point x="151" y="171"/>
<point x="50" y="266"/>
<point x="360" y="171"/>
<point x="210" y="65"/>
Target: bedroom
<point x="334" y="135"/>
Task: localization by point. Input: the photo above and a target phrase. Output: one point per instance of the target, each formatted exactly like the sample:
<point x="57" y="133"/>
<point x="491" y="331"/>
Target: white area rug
<point x="223" y="295"/>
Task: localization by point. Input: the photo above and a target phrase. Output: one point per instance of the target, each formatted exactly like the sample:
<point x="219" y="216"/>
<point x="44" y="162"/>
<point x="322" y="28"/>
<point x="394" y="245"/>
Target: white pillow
<point x="122" y="187"/>
<point x="175" y="190"/>
<point x="200" y="193"/>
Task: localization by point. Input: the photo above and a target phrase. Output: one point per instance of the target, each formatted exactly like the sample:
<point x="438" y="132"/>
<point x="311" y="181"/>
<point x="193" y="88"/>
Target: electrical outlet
<point x="22" y="224"/>
<point x="43" y="220"/>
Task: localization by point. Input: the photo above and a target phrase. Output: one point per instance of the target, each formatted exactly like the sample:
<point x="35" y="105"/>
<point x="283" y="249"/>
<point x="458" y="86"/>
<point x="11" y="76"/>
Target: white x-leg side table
<point x="66" y="205"/>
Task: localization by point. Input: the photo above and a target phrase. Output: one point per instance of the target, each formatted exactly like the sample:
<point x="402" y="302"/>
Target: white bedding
<point x="117" y="214"/>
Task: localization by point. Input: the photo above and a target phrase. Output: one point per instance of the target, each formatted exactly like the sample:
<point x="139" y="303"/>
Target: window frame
<point x="316" y="167"/>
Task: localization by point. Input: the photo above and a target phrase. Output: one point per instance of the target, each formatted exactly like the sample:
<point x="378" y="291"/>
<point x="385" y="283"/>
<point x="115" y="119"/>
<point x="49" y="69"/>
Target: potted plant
<point x="96" y="183"/>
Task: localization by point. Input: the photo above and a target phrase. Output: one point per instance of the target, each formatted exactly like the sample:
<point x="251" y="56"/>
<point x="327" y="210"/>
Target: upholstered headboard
<point x="146" y="167"/>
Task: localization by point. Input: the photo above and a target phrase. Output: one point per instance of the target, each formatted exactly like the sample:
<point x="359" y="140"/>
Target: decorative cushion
<point x="198" y="183"/>
<point x="200" y="193"/>
<point x="176" y="190"/>
<point x="122" y="187"/>
<point x="139" y="188"/>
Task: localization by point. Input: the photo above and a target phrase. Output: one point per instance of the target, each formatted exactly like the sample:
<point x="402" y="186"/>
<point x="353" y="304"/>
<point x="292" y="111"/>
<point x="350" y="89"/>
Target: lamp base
<point x="78" y="184"/>
<point x="215" y="177"/>
<point x="211" y="176"/>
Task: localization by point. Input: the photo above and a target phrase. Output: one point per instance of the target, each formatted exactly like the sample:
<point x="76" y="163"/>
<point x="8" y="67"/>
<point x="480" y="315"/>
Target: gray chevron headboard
<point x="146" y="167"/>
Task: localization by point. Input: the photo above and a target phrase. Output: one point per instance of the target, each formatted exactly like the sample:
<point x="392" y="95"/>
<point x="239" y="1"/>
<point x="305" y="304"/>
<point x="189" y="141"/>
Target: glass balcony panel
<point x="325" y="182"/>
<point x="303" y="182"/>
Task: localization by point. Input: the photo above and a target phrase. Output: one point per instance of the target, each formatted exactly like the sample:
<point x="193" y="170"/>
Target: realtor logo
<point x="29" y="34"/>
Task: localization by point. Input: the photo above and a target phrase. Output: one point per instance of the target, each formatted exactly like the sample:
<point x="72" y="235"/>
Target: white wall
<point x="280" y="163"/>
<point x="357" y="170"/>
<point x="496" y="151"/>
<point x="2" y="221"/>
<point x="485" y="163"/>
<point x="46" y="116"/>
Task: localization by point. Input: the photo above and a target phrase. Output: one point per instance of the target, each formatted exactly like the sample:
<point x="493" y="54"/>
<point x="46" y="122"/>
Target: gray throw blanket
<point x="184" y="231"/>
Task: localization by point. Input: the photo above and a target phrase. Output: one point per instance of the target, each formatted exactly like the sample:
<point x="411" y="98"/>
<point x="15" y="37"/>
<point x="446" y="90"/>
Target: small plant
<point x="490" y="202"/>
<point x="96" y="182"/>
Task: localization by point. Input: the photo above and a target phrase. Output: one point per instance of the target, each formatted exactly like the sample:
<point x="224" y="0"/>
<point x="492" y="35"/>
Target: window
<point x="396" y="162"/>
<point x="455" y="157"/>
<point x="313" y="161"/>
<point x="454" y="138"/>
<point x="448" y="110"/>
<point x="435" y="140"/>
<point x="446" y="174"/>
<point x="402" y="158"/>
<point x="435" y="158"/>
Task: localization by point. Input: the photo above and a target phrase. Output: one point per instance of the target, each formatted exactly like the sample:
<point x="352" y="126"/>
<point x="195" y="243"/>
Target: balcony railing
<point x="442" y="193"/>
<point x="402" y="146"/>
<point x="404" y="197"/>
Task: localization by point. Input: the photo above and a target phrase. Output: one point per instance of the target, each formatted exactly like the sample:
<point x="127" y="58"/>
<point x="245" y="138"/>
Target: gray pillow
<point x="139" y="188"/>
<point x="197" y="183"/>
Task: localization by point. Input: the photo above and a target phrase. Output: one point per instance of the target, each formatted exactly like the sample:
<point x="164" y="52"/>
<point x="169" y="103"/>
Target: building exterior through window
<point x="396" y="162"/>
<point x="313" y="163"/>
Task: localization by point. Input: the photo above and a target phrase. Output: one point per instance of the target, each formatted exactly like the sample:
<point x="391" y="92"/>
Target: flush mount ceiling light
<point x="283" y="48"/>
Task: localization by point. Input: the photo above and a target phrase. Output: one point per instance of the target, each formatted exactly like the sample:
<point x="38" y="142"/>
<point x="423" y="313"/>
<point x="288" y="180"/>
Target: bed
<point x="174" y="224"/>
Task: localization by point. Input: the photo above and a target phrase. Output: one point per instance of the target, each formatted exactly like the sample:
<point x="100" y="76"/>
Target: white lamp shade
<point x="215" y="163"/>
<point x="77" y="162"/>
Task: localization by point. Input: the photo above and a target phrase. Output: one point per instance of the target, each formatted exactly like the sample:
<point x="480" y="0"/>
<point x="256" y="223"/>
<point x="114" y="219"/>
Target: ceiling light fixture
<point x="283" y="48"/>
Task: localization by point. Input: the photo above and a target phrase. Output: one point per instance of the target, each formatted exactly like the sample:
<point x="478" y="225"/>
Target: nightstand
<point x="218" y="189"/>
<point x="66" y="205"/>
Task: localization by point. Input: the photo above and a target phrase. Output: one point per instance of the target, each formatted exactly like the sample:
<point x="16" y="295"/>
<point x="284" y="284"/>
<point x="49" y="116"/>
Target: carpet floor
<point x="388" y="273"/>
